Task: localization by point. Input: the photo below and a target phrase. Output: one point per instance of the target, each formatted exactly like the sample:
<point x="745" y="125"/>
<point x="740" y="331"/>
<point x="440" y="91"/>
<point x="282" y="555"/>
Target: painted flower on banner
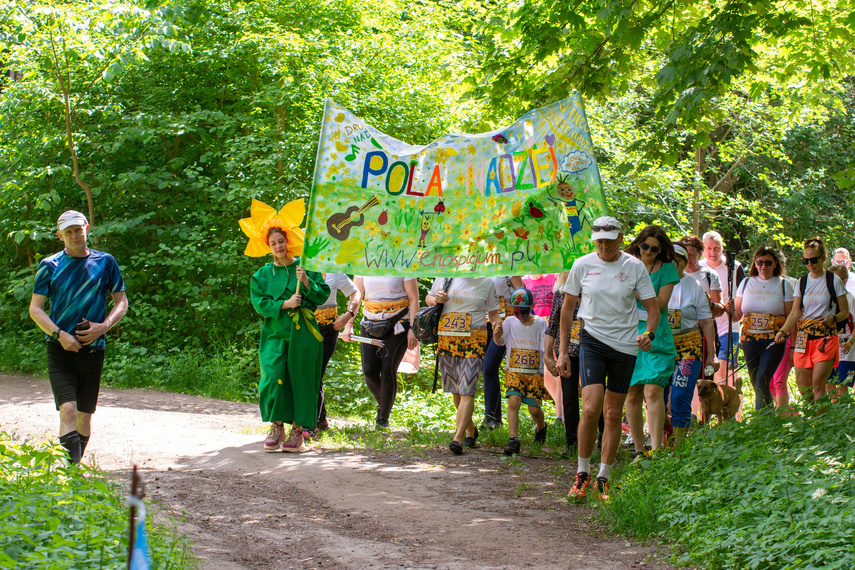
<point x="484" y="225"/>
<point x="373" y="229"/>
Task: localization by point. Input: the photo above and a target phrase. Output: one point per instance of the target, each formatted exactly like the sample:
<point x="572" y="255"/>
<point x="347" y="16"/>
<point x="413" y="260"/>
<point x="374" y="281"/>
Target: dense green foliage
<point x="737" y="112"/>
<point x="53" y="516"/>
<point x="178" y="113"/>
<point x="772" y="492"/>
<point x="214" y="103"/>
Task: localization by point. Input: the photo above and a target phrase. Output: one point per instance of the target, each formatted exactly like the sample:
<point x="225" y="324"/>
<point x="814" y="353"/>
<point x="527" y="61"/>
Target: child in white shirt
<point x="524" y="335"/>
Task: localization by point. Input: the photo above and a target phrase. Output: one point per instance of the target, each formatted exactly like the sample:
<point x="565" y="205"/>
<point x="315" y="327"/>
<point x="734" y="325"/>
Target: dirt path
<point x="246" y="509"/>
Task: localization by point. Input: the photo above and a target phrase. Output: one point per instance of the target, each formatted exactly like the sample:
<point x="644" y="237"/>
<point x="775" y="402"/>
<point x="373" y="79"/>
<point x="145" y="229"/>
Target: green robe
<point x="656" y="366"/>
<point x="290" y="356"/>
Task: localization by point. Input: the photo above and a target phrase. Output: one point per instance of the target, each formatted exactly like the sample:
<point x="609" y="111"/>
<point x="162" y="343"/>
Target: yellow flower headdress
<point x="263" y="217"/>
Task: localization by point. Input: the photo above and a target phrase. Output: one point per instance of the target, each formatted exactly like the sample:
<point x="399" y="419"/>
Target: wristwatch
<point x="352" y="314"/>
<point x="650" y="334"/>
<point x="55" y="334"/>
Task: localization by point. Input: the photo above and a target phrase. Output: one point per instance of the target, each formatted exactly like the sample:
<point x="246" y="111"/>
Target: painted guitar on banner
<point x="338" y="225"/>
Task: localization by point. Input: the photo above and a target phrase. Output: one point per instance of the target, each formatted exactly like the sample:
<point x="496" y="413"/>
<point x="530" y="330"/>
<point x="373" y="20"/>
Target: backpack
<point x="426" y="322"/>
<point x="829" y="283"/>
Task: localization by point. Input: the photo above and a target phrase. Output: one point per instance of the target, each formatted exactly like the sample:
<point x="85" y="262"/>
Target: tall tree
<point x="75" y="47"/>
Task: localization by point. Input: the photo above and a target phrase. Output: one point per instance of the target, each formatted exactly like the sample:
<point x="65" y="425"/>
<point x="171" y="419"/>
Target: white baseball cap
<point x="606" y="227"/>
<point x="681" y="251"/>
<point x="71" y="218"/>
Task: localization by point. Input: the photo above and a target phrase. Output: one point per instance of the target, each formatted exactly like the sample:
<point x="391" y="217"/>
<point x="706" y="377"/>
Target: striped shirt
<point x="77" y="288"/>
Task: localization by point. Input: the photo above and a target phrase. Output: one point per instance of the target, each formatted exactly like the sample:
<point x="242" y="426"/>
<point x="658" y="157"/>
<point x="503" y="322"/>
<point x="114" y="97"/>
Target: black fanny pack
<point x="380" y="329"/>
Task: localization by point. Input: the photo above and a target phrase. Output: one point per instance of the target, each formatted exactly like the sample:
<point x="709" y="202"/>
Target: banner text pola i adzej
<point x="518" y="200"/>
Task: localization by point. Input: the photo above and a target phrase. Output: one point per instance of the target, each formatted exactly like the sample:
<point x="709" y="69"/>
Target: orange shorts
<point x="812" y="354"/>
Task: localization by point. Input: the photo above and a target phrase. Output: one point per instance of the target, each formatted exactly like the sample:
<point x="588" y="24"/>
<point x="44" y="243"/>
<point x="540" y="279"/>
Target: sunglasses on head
<point x="764" y="262"/>
<point x="653" y="248"/>
<point x="608" y="228"/>
<point x="809" y="260"/>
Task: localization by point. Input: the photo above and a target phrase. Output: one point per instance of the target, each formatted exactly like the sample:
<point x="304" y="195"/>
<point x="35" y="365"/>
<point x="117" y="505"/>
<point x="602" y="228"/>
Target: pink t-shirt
<point x="542" y="290"/>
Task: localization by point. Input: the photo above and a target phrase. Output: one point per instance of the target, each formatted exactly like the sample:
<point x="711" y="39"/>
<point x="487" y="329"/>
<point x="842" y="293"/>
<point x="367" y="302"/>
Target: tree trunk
<point x="700" y="158"/>
<point x="65" y="85"/>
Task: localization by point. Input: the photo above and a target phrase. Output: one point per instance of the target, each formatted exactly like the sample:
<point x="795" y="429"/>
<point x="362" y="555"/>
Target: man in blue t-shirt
<point x="77" y="280"/>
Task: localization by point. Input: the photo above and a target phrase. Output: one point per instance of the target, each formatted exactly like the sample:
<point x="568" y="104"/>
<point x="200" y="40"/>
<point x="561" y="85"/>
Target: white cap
<point x="614" y="230"/>
<point x="71" y="218"/>
<point x="681" y="251"/>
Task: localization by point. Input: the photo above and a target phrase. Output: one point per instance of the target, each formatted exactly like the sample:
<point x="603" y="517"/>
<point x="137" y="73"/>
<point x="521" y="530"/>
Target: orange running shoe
<point x="602" y="489"/>
<point x="580" y="487"/>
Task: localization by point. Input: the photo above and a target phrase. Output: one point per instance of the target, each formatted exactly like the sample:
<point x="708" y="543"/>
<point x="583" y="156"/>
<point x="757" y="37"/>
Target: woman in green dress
<point x="290" y="348"/>
<point x="653" y="369"/>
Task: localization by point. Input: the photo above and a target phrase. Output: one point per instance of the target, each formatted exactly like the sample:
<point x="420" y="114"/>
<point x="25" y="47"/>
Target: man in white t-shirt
<point x="606" y="283"/>
<point x="708" y="278"/>
<point x="841" y="257"/>
<point x="715" y="258"/>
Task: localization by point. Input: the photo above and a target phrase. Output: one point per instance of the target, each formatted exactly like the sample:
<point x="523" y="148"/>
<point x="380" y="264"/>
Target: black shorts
<point x="598" y="361"/>
<point x="75" y="376"/>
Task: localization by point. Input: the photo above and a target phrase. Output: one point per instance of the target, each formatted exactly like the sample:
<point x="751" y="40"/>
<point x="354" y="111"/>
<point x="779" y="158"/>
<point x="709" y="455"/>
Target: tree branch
<point x="65" y="86"/>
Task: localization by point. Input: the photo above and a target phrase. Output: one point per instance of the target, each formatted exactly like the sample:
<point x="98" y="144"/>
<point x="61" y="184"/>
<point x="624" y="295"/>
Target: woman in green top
<point x="653" y="369"/>
<point x="290" y="347"/>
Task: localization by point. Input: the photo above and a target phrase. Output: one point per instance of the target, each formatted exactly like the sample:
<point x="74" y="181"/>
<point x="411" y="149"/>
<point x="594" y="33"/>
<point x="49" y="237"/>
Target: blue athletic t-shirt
<point x="78" y="288"/>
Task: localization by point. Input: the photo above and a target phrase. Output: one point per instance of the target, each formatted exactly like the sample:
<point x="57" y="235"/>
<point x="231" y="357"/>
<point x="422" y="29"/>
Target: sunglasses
<point x="764" y="263"/>
<point x="608" y="228"/>
<point x="809" y="260"/>
<point x="839" y="261"/>
<point x="653" y="248"/>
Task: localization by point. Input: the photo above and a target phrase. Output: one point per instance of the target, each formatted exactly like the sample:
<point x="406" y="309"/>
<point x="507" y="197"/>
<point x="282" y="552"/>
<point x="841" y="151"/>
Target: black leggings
<point x="330" y="341"/>
<point x="762" y="364"/>
<point x="381" y="374"/>
<point x="570" y="403"/>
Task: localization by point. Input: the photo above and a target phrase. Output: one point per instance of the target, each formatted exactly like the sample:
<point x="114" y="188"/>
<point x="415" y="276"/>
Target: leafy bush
<point x="774" y="491"/>
<point x="53" y="516"/>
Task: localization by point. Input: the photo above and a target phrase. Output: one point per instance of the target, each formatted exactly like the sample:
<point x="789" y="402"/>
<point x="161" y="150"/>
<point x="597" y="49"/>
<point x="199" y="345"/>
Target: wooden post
<point x="135" y="481"/>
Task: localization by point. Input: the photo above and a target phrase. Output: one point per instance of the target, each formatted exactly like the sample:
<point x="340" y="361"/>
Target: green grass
<point x="773" y="491"/>
<point x="55" y="516"/>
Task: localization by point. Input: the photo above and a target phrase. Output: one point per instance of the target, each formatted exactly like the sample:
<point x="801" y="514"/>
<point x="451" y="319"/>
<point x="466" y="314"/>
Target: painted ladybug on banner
<point x="534" y="210"/>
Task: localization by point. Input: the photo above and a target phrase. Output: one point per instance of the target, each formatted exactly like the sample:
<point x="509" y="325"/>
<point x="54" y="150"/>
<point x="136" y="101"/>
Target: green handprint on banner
<point x="316" y="246"/>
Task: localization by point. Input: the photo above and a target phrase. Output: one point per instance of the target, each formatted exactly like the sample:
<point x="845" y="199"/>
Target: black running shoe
<point x="469" y="440"/>
<point x="540" y="434"/>
<point x="513" y="447"/>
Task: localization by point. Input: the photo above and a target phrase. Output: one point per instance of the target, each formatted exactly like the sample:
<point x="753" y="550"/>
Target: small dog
<point x="718" y="400"/>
